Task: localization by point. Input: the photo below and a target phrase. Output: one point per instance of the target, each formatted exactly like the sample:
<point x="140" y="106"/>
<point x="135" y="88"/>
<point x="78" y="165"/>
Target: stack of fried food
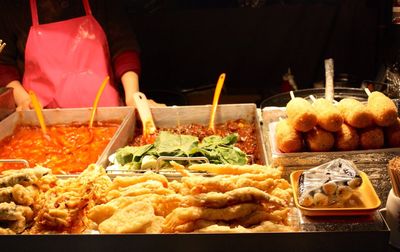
<point x="345" y="126"/>
<point x="233" y="199"/>
<point x="63" y="207"/>
<point x="19" y="193"/>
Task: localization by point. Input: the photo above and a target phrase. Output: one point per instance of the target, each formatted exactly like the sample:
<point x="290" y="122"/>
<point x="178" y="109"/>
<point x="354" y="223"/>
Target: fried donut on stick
<point x="319" y="139"/>
<point x="355" y="113"/>
<point x="347" y="138"/>
<point x="288" y="139"/>
<point x="371" y="138"/>
<point x="382" y="108"/>
<point x="301" y="114"/>
<point x="328" y="115"/>
<point x="392" y="134"/>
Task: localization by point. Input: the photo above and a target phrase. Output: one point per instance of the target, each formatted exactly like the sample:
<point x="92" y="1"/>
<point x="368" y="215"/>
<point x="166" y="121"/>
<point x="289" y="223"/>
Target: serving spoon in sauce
<point x="39" y="114"/>
<point x="83" y="139"/>
<point x="149" y="128"/>
<point x="217" y="93"/>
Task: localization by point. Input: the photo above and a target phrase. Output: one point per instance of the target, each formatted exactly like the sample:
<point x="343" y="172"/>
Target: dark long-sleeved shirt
<point x="15" y="22"/>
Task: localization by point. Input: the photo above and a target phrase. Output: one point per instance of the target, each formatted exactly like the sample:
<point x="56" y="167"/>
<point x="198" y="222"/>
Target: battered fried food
<point x="63" y="208"/>
<point x="392" y="134"/>
<point x="24" y="176"/>
<point x="301" y="114"/>
<point x="278" y="216"/>
<point x="347" y="138"/>
<point x="328" y="115"/>
<point x="371" y="138"/>
<point x="228" y="169"/>
<point x="235" y="196"/>
<point x="24" y="195"/>
<point x="183" y="215"/>
<point x="319" y="139"/>
<point x="147" y="187"/>
<point x="287" y="138"/>
<point x="382" y="108"/>
<point x="119" y="182"/>
<point x="6" y="194"/>
<point x="130" y="219"/>
<point x="355" y="113"/>
<point x="265" y="226"/>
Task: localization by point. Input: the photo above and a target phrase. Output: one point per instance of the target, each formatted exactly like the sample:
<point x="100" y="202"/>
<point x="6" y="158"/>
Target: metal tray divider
<point x="23" y="161"/>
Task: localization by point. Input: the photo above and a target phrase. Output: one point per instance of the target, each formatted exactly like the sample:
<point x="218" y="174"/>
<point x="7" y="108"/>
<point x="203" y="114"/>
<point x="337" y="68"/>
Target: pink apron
<point x="66" y="62"/>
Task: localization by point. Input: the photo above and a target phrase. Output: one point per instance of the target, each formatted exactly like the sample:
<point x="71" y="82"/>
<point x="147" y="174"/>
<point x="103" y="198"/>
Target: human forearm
<point x="21" y="97"/>
<point x="130" y="82"/>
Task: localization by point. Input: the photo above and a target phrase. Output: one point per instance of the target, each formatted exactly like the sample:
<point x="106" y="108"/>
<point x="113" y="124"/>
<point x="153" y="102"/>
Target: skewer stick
<point x="329" y="73"/>
<point x="395" y="179"/>
<point x="313" y="99"/>
<point x="292" y="95"/>
<point x="367" y="91"/>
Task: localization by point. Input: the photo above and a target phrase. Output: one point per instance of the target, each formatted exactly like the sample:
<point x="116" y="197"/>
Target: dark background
<point x="186" y="44"/>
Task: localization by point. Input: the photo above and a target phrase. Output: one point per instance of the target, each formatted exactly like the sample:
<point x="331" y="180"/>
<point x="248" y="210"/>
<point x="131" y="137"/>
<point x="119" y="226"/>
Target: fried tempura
<point x="229" y="169"/>
<point x="236" y="196"/>
<point x="183" y="215"/>
<point x="119" y="182"/>
<point x="130" y="219"/>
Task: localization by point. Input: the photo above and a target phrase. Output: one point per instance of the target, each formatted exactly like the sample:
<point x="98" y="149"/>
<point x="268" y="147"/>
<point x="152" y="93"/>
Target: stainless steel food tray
<point x="271" y="115"/>
<point x="329" y="235"/>
<point x="67" y="116"/>
<point x="168" y="117"/>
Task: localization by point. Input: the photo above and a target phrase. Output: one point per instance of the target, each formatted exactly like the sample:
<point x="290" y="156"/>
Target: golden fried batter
<point x="229" y="169"/>
<point x="182" y="215"/>
<point x="130" y="219"/>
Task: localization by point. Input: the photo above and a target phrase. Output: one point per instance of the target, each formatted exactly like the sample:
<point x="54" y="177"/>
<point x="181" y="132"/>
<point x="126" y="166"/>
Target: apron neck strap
<point x="34" y="12"/>
<point x="86" y="5"/>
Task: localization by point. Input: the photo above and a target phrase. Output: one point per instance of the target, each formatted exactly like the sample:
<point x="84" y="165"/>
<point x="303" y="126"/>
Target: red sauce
<point x="247" y="140"/>
<point x="67" y="149"/>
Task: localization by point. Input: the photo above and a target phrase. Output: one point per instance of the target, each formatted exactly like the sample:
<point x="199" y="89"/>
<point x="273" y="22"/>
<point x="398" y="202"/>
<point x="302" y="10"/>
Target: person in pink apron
<point x="66" y="62"/>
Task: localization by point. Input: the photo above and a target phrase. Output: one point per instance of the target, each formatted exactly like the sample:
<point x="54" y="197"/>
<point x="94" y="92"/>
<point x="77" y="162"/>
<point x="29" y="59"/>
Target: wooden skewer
<point x="292" y="95"/>
<point x="329" y="73"/>
<point x="96" y="101"/>
<point x="312" y="97"/>
<point x="367" y="91"/>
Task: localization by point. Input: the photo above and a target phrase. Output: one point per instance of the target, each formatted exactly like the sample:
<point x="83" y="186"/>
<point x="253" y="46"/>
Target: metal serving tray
<point x="67" y="116"/>
<point x="328" y="235"/>
<point x="169" y="117"/>
<point x="271" y="116"/>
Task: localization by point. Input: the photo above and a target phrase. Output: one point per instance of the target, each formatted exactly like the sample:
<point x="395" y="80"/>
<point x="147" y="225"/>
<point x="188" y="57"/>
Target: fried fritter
<point x="131" y="219"/>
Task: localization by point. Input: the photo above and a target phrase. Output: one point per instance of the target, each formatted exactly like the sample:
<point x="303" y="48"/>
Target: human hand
<point x="21" y="97"/>
<point x="152" y="103"/>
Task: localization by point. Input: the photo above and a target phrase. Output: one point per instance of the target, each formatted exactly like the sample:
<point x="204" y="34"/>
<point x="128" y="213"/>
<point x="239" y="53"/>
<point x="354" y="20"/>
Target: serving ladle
<point x="39" y="114"/>
<point x="149" y="128"/>
<point x="217" y="93"/>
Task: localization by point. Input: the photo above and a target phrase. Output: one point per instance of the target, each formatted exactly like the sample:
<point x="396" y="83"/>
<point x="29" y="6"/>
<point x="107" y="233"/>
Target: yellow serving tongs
<point x="38" y="110"/>
<point x="217" y="92"/>
<point x="146" y="117"/>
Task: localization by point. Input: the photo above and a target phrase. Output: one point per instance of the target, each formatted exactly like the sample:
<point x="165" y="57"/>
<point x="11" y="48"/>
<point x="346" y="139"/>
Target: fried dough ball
<point x="382" y="108"/>
<point x="328" y="115"/>
<point x="392" y="134"/>
<point x="319" y="139"/>
<point x="371" y="138"/>
<point x="347" y="138"/>
<point x="301" y="114"/>
<point x="355" y="113"/>
<point x="287" y="138"/>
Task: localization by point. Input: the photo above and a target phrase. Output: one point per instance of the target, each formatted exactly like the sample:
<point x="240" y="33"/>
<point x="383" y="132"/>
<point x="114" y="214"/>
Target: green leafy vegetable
<point x="218" y="150"/>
